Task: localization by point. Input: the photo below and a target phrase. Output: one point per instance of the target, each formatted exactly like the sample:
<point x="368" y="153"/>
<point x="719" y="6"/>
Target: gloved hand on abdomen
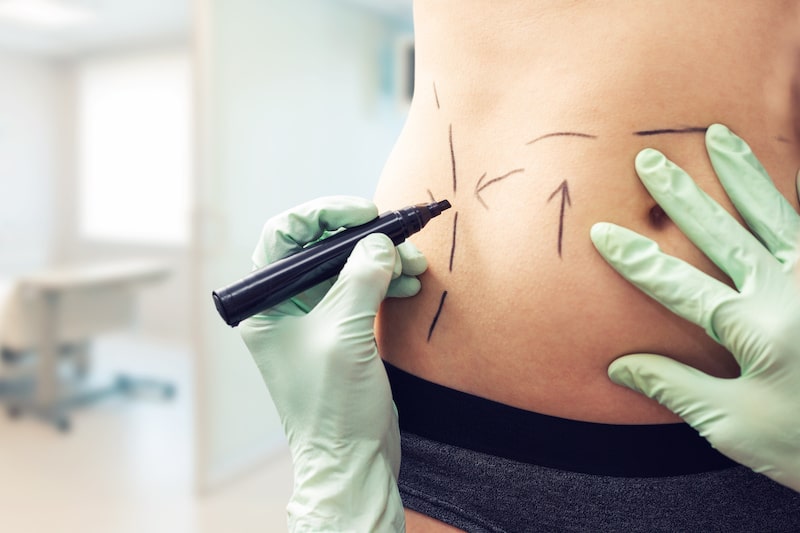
<point x="755" y="418"/>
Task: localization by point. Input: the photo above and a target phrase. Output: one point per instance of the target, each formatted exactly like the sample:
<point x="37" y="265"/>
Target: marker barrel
<point x="288" y="277"/>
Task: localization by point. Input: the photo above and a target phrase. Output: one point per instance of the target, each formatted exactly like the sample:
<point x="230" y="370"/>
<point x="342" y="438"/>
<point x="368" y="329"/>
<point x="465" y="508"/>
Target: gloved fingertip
<point x="717" y="131"/>
<point x="619" y="371"/>
<point x="610" y="240"/>
<point x="404" y="287"/>
<point x="372" y="261"/>
<point x="648" y="160"/>
<point x="397" y="267"/>
<point x="363" y="282"/>
<point x="378" y="247"/>
<point x="635" y="371"/>
<point x="414" y="262"/>
<point x="599" y="233"/>
<point x="721" y="138"/>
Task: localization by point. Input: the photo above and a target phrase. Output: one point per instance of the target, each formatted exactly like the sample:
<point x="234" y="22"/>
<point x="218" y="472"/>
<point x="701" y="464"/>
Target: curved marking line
<point x="563" y="134"/>
<point x="494" y="180"/>
<point x="477" y="190"/>
<point x="479" y="186"/>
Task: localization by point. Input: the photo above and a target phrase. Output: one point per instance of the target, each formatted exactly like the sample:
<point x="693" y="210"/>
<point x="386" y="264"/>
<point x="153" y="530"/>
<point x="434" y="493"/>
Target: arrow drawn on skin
<point x="480" y="185"/>
<point x="565" y="201"/>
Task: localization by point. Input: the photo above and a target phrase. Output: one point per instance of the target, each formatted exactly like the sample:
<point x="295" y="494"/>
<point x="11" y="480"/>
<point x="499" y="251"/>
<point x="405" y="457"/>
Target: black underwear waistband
<point x="467" y="421"/>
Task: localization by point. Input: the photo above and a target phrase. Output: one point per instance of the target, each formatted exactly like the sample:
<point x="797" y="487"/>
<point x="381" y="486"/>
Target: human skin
<point x="533" y="315"/>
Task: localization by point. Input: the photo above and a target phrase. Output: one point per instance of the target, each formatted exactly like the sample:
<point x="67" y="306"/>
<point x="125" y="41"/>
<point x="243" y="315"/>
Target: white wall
<point x="32" y="128"/>
<point x="164" y="309"/>
<point x="38" y="189"/>
<point x="294" y="103"/>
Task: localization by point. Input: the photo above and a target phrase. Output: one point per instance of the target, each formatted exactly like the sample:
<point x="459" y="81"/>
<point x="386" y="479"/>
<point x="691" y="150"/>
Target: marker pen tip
<point x="438" y="207"/>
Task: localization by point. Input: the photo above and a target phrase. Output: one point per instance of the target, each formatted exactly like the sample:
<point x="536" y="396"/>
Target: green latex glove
<point x="318" y="357"/>
<point x="755" y="418"/>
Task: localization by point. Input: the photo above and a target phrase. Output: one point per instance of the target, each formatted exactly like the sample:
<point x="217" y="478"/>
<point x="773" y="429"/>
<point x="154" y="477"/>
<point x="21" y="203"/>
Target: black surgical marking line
<point x="563" y="134"/>
<point x="433" y="199"/>
<point x="453" y="159"/>
<point x="436" y="95"/>
<point x="782" y="139"/>
<point x="479" y="186"/>
<point x="477" y="191"/>
<point x="453" y="246"/>
<point x="694" y="129"/>
<point x="564" y="190"/>
<point x="436" y="316"/>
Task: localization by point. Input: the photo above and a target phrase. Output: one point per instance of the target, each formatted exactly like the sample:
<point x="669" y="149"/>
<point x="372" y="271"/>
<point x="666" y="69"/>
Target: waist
<point x="517" y="306"/>
<point x="587" y="59"/>
<point x="467" y="421"/>
<point x="535" y="146"/>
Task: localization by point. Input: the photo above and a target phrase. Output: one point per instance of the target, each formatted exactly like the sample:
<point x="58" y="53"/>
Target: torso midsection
<point x="535" y="145"/>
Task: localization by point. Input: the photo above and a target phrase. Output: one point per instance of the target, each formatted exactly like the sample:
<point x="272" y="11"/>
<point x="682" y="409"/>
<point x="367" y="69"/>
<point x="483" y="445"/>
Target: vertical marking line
<point x="452" y="158"/>
<point x="436" y="316"/>
<point x="453" y="245"/>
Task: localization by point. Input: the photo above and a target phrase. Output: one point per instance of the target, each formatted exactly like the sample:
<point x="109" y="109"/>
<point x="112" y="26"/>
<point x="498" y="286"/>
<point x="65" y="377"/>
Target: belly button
<point x="658" y="218"/>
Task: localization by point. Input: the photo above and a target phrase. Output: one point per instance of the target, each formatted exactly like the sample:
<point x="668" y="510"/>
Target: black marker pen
<point x="287" y="277"/>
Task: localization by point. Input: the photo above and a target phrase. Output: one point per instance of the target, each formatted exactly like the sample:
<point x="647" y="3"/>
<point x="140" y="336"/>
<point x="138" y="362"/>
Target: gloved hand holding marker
<point x="755" y="418"/>
<point x="315" y="262"/>
<point x="317" y="355"/>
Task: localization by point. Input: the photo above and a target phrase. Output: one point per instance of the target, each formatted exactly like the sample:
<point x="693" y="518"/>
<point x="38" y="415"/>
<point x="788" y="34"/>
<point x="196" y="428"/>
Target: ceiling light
<point x="44" y="13"/>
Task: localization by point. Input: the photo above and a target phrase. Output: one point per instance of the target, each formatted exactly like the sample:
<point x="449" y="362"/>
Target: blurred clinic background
<point x="143" y="144"/>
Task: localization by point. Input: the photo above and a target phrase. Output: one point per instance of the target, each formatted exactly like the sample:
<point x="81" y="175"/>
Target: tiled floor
<point x="126" y="465"/>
